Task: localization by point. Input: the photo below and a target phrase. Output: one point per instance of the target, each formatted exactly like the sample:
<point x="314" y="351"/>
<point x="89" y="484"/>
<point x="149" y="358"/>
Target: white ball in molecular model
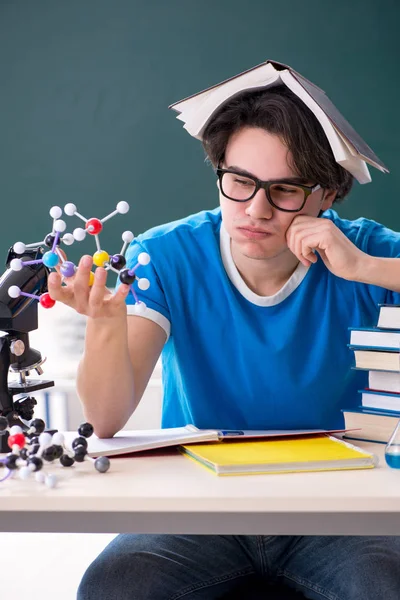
<point x="15" y="429"/>
<point x="122" y="208"/>
<point x="58" y="438"/>
<point x="68" y="239"/>
<point x="60" y="226"/>
<point x="55" y="212"/>
<point x="79" y="234"/>
<point x="143" y="258"/>
<point x="16" y="264"/>
<point x="139" y="308"/>
<point x="45" y="439"/>
<point x="70" y="209"/>
<point x="19" y="247"/>
<point x="51" y="481"/>
<point x="127" y="236"/>
<point x="40" y="476"/>
<point x="24" y="473"/>
<point x="143" y="284"/>
<point x="14" y="291"/>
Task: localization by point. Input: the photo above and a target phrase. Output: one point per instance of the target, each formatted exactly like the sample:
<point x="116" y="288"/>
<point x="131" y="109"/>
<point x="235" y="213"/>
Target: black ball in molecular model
<point x="126" y="276"/>
<point x="79" y="441"/>
<point x="118" y="261"/>
<point x="85" y="430"/>
<point x="50" y="239"/>
<point x="31" y="449"/>
<point x="66" y="461"/>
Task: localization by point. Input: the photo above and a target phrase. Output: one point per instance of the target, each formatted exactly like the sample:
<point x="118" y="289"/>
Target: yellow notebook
<point x="282" y="455"/>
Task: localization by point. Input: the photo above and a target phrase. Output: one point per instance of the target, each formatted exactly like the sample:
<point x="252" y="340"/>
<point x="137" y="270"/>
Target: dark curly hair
<point x="281" y="112"/>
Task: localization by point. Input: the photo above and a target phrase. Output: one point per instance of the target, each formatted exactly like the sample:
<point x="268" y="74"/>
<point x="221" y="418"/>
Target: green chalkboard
<point x="85" y="86"/>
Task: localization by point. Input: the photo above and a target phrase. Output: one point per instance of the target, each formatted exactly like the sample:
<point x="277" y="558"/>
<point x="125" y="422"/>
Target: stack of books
<point x="377" y="351"/>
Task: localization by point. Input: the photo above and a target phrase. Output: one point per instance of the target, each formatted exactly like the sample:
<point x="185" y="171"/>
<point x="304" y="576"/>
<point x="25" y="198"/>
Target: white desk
<point x="171" y="494"/>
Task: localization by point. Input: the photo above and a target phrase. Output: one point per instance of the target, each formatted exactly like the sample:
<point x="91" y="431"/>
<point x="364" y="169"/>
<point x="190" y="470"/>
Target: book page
<point x="144" y="439"/>
<point x="203" y="110"/>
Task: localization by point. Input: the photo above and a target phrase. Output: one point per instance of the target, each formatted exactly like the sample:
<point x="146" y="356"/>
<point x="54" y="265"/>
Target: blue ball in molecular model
<point x="50" y="259"/>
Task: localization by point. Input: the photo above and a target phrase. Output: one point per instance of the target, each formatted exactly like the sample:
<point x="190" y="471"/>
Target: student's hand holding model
<point x="89" y="298"/>
<point x="112" y="374"/>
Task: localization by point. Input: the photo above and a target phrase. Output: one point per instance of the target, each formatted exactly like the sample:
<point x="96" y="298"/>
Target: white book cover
<point x="126" y="442"/>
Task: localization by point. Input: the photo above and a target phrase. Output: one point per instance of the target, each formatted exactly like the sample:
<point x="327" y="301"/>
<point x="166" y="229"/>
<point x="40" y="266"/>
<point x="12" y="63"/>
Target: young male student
<point x="250" y="306"/>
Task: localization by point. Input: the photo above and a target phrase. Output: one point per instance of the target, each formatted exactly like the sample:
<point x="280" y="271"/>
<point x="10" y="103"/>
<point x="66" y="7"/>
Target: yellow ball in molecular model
<point x="91" y="278"/>
<point x="101" y="258"/>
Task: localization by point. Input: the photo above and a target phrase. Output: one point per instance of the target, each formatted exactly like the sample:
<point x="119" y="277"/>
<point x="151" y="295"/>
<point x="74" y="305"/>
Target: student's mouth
<point x="254" y="233"/>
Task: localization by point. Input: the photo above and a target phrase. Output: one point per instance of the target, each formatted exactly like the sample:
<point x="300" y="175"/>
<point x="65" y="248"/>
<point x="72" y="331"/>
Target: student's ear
<point x="327" y="199"/>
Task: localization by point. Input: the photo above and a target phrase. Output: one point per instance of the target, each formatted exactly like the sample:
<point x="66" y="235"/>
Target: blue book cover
<point x="380" y="370"/>
<point x="373" y="411"/>
<point x="374" y="338"/>
<point x="375" y="329"/>
<point x="370" y="411"/>
<point x="394" y="305"/>
<point x="379" y="393"/>
<point x="379" y="348"/>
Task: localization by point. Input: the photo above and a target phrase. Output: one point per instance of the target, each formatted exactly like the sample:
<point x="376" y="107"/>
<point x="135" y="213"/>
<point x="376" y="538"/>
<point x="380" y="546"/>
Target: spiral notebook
<point x="280" y="455"/>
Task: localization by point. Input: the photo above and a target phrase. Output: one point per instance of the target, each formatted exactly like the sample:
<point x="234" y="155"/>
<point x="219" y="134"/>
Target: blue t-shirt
<point x="234" y="359"/>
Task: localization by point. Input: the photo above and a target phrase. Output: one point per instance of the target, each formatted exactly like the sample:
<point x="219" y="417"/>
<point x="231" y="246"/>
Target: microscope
<point x="19" y="316"/>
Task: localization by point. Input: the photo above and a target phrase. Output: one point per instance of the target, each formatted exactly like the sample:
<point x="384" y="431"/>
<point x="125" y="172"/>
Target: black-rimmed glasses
<point x="282" y="194"/>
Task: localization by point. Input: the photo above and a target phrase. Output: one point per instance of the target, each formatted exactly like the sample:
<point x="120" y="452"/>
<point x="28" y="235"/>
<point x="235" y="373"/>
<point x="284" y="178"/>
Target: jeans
<point x="207" y="567"/>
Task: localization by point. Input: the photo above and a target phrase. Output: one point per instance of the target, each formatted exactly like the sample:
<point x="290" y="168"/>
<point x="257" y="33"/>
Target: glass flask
<point x="392" y="450"/>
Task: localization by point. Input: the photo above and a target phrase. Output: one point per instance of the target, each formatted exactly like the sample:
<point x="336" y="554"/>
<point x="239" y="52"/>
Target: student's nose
<point x="259" y="206"/>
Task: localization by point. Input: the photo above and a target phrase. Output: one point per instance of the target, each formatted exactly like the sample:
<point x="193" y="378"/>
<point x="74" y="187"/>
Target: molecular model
<point x="50" y="259"/>
<point x="101" y="258"/>
<point x="115" y="262"/>
<point x="33" y="447"/>
<point x="30" y="450"/>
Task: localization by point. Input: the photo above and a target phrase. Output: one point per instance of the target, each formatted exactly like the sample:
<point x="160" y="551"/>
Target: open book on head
<point x="126" y="442"/>
<point x="349" y="149"/>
